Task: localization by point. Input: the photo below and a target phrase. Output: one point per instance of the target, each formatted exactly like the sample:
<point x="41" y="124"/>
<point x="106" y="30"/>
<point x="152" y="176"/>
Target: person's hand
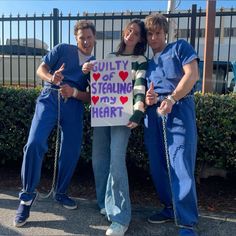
<point x="66" y="91"/>
<point x="87" y="67"/>
<point x="151" y="96"/>
<point x="57" y="77"/>
<point x="132" y="125"/>
<point x="165" y="107"/>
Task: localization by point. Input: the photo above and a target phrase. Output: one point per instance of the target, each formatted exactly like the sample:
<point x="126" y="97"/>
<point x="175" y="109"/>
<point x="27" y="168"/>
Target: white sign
<point x="111" y="92"/>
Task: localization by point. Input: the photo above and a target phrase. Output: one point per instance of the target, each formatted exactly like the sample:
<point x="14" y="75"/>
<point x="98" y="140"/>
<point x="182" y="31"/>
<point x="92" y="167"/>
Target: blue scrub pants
<point x="182" y="143"/>
<point x="44" y="120"/>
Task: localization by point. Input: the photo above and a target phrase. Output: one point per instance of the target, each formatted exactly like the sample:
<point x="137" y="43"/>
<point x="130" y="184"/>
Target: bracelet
<point x="169" y="97"/>
<point x="75" y="92"/>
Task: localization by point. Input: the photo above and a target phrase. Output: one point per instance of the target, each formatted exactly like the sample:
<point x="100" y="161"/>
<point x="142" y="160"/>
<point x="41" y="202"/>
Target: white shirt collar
<point x="82" y="58"/>
<point x="156" y="56"/>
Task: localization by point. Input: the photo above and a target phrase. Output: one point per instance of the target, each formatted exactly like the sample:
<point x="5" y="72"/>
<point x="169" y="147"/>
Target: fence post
<point x="55" y="26"/>
<point x="193" y="25"/>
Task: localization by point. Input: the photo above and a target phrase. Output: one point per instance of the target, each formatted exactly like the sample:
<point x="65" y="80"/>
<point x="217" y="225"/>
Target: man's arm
<point x="183" y="88"/>
<point x="43" y="73"/>
<point x="84" y="96"/>
<point x="188" y="80"/>
<point x="67" y="91"/>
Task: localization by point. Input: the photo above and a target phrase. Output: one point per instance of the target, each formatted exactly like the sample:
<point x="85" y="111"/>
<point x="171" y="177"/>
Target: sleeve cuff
<point x="137" y="116"/>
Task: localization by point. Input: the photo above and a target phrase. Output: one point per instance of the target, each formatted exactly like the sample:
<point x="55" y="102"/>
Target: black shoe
<point x="159" y="218"/>
<point x="65" y="201"/>
<point x="23" y="212"/>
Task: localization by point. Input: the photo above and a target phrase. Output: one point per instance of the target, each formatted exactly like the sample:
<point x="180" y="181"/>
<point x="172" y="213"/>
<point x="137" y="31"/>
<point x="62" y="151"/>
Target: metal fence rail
<point x="25" y="39"/>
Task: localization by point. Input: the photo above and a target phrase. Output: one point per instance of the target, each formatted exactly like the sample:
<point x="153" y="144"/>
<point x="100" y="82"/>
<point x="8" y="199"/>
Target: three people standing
<point x="170" y="125"/>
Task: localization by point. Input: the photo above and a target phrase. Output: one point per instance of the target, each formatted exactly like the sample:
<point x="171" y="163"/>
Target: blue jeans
<point x="110" y="172"/>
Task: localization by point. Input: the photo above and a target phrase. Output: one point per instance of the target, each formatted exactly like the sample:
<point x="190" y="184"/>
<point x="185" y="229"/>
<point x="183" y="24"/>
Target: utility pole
<point x="207" y="85"/>
<point x="171" y="8"/>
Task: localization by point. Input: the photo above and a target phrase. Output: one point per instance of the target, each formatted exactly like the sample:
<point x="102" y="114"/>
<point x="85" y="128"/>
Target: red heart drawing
<point x="123" y="99"/>
<point x="95" y="99"/>
<point x="123" y="75"/>
<point x="96" y="76"/>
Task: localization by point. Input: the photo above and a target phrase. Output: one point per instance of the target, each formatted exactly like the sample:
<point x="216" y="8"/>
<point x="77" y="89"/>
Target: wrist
<point x="173" y="94"/>
<point x="85" y="72"/>
<point x="171" y="99"/>
<point x="75" y="93"/>
<point x="50" y="79"/>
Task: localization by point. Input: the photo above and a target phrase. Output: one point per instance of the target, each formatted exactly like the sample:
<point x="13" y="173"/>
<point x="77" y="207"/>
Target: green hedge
<point x="16" y="109"/>
<point x="216" y="121"/>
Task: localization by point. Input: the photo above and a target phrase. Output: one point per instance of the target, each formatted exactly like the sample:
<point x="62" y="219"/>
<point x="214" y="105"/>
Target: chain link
<point x="164" y="120"/>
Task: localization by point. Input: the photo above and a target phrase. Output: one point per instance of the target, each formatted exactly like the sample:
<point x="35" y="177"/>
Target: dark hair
<point x="140" y="47"/>
<point x="154" y="20"/>
<point x="84" y="24"/>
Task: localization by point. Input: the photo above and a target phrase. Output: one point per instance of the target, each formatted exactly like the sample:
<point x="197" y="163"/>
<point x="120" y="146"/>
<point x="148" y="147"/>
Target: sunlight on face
<point x="132" y="35"/>
<point x="156" y="38"/>
<point x="85" y="41"/>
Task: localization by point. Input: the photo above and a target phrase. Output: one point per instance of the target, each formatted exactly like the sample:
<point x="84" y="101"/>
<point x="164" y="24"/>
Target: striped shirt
<point x="139" y="67"/>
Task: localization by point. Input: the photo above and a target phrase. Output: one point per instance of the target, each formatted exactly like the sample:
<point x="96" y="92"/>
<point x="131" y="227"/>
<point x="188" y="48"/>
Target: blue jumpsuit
<point x="181" y="132"/>
<point x="45" y="118"/>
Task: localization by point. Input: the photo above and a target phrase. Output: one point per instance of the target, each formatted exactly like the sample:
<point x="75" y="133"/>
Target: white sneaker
<point x="103" y="212"/>
<point x="116" y="229"/>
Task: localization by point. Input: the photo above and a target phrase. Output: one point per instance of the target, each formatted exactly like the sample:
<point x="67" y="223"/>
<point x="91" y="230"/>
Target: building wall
<point x="22" y="67"/>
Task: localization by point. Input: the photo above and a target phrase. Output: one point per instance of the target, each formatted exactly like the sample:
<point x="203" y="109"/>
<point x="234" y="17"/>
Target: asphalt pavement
<point x="48" y="218"/>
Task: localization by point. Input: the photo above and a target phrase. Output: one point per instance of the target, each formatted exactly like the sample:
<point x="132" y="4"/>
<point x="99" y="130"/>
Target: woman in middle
<point x="110" y="142"/>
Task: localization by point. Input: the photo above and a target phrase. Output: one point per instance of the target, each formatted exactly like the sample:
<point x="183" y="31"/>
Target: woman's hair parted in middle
<point x="141" y="46"/>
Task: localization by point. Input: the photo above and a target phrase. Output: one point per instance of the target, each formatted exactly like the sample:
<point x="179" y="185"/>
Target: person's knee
<point x="35" y="144"/>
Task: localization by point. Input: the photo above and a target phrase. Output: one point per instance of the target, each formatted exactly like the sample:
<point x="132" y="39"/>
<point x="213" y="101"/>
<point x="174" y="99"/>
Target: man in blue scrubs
<point x="170" y="125"/>
<point x="65" y="83"/>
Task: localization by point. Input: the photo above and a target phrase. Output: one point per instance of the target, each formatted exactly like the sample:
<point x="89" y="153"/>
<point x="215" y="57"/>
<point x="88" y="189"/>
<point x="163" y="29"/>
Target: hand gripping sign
<point x="111" y="92"/>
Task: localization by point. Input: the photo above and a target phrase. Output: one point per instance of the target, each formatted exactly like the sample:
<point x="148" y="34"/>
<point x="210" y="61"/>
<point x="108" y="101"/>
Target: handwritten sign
<point x="111" y="92"/>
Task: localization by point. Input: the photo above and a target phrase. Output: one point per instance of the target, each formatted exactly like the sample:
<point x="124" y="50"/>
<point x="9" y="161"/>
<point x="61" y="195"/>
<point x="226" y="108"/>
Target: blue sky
<point x="74" y="6"/>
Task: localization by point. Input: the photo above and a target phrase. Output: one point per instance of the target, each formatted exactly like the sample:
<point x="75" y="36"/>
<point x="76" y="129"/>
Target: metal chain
<point x="164" y="118"/>
<point x="56" y="148"/>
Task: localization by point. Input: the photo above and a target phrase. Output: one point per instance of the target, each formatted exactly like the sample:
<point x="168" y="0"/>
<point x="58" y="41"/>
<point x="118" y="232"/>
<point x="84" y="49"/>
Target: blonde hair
<point x="156" y="20"/>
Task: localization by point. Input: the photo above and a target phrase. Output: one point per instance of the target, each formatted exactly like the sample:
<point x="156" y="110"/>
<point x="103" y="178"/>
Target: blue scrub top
<point x="167" y="73"/>
<point x="67" y="54"/>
